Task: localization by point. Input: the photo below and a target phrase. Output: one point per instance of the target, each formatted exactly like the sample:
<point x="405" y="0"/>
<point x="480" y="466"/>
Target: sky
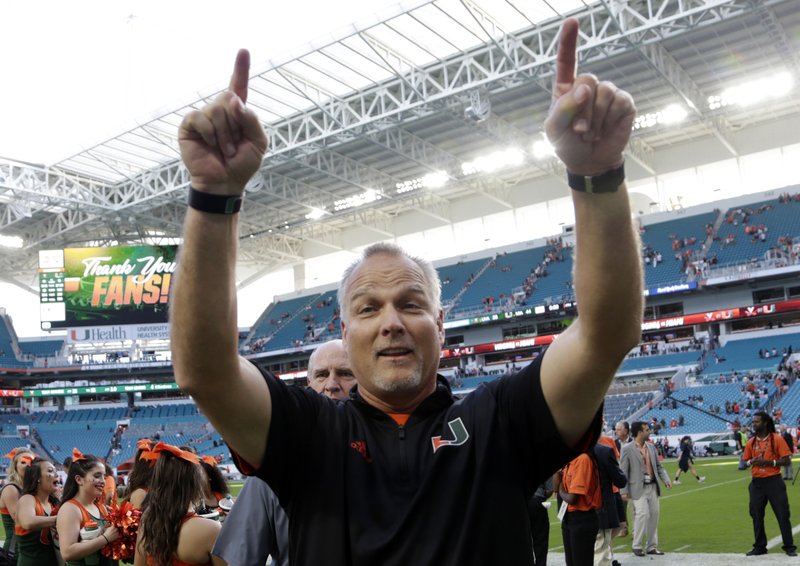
<point x="77" y="73"/>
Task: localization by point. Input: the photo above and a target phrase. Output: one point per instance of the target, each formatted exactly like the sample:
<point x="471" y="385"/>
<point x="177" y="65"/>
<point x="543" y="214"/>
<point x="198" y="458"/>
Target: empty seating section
<point x="779" y="219"/>
<point x="59" y="439"/>
<point x="8" y="357"/>
<point x="660" y="361"/>
<point x="454" y="277"/>
<point x="660" y="238"/>
<point x="618" y="407"/>
<point x="742" y="354"/>
<point x="694" y="420"/>
<point x="42" y="348"/>
<point x="557" y="283"/>
<point x="508" y="273"/>
<point x="280" y="314"/>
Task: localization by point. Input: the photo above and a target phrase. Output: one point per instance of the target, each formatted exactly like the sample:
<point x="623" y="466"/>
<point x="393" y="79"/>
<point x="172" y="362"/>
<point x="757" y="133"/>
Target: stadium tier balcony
<point x="780" y="219"/>
<point x="455" y="277"/>
<point x="743" y="353"/>
<point x="659" y="237"/>
<point x="660" y="361"/>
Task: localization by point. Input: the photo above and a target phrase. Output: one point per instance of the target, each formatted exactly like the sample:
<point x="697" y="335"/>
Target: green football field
<point x="709" y="517"/>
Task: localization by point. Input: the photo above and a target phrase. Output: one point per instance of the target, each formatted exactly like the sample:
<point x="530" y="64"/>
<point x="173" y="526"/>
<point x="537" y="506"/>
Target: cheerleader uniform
<point x="35" y="548"/>
<point x="95" y="559"/>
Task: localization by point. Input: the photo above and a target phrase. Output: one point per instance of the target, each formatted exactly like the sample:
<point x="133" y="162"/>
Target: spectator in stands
<point x="640" y="464"/>
<point x="504" y="439"/>
<point x="170" y="531"/>
<point x="579" y="488"/>
<point x="140" y="474"/>
<point x="36" y="515"/>
<point x="686" y="461"/>
<point x="764" y="454"/>
<point x="788" y="469"/>
<point x="81" y="506"/>
<point x="257" y="512"/>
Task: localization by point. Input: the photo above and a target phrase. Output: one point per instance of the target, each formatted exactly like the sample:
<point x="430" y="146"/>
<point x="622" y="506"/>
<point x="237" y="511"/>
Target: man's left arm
<point x="589" y="125"/>
<point x="662" y="473"/>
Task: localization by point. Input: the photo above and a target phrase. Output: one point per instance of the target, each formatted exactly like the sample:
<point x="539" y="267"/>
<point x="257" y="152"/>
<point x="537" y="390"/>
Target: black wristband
<point x="607" y="182"/>
<point x="216" y="204"/>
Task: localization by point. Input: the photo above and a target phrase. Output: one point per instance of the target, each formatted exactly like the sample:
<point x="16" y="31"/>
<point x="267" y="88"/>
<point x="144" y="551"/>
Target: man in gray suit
<point x="640" y="464"/>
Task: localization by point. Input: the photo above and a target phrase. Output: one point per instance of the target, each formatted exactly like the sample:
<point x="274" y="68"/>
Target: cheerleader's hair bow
<point x="77" y="456"/>
<point x="210" y="460"/>
<point x="11" y="454"/>
<point x="163" y="447"/>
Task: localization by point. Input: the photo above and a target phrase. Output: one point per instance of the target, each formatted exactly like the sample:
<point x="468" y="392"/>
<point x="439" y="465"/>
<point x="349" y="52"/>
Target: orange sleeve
<point x="580" y="475"/>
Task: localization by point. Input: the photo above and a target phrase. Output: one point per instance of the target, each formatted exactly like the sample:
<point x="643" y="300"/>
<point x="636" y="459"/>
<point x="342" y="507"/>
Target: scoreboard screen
<point x="105" y="286"/>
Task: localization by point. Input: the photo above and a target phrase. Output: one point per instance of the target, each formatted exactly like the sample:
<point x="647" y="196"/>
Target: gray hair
<point x="428" y="271"/>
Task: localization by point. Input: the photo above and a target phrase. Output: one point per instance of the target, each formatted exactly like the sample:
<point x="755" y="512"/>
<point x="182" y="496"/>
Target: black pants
<point x="579" y="530"/>
<point x="540" y="531"/>
<point x="770" y="489"/>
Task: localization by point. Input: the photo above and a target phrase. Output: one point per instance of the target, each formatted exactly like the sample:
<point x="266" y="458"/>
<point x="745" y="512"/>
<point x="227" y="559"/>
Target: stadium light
<point x="368" y="196"/>
<point x="753" y="92"/>
<point x="672" y="114"/>
<point x="543" y="149"/>
<point x="315" y="214"/>
<point x="430" y="181"/>
<point x="511" y="157"/>
<point x="11" y="242"/>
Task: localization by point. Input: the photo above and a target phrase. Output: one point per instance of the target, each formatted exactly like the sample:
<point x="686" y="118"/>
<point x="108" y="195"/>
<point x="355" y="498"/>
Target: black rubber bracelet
<point x="608" y="182"/>
<point x="216" y="204"/>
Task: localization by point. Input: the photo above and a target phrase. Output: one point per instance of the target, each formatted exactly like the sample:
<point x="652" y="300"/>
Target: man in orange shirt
<point x="580" y="489"/>
<point x="764" y="454"/>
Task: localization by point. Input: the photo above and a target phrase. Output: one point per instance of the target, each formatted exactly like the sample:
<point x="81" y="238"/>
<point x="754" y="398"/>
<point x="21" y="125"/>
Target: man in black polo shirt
<point x="411" y="476"/>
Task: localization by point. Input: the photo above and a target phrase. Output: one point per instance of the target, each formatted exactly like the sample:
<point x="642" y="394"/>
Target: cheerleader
<point x="36" y="515"/>
<point x="170" y="531"/>
<point x="9" y="497"/>
<point x="82" y="508"/>
<point x="215" y="488"/>
<point x="139" y="478"/>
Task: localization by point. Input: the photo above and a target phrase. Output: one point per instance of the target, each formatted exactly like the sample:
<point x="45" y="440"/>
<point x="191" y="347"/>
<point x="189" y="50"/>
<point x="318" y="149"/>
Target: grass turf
<point x="709" y="517"/>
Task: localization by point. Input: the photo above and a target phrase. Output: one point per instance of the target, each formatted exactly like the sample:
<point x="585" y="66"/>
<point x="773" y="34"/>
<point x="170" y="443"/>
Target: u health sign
<point x="105" y="286"/>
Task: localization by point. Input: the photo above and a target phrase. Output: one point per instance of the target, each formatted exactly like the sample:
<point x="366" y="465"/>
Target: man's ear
<point x="344" y="332"/>
<point x="440" y="325"/>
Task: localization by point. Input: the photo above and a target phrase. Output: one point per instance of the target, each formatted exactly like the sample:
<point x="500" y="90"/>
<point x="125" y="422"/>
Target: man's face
<point x="391" y="328"/>
<point x="621" y="431"/>
<point x="644" y="434"/>
<point x="329" y="371"/>
<point x="758" y="424"/>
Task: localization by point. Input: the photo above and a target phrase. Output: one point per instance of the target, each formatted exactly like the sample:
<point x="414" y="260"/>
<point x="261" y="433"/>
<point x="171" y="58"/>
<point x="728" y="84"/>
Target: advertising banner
<point x="120" y="285"/>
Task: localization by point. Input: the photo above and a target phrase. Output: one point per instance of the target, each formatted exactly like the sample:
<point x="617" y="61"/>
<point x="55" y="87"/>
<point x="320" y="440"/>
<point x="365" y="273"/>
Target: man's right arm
<point x="222" y="146"/>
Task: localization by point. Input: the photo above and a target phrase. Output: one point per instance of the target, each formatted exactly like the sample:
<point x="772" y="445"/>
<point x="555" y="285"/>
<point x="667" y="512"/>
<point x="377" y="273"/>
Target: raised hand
<point x="223" y="144"/>
<point x="590" y="122"/>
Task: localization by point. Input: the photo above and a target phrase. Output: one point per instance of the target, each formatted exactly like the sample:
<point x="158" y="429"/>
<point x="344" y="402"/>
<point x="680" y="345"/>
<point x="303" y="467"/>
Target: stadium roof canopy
<point x="427" y="118"/>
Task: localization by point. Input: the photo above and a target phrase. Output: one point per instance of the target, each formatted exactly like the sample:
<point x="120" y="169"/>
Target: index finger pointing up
<point x="566" y="58"/>
<point x="241" y="72"/>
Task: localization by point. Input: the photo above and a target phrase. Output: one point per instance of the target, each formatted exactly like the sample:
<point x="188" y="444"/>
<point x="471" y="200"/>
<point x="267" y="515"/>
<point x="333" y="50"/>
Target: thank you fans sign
<point x="123" y="285"/>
